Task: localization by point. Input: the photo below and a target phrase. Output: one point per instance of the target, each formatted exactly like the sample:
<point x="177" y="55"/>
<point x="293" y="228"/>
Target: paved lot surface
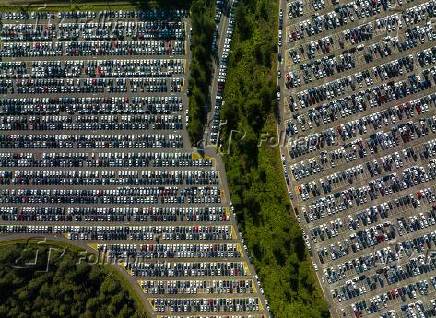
<point x="357" y="120"/>
<point x="94" y="149"/>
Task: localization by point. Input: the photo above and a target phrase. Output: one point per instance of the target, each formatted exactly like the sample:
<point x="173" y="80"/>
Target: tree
<point x="257" y="186"/>
<point x="68" y="289"/>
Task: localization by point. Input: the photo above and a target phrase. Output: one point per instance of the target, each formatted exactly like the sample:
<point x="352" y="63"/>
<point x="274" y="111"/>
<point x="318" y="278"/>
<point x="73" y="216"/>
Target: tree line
<point x="66" y="288"/>
<point x="255" y="174"/>
<point x="203" y="26"/>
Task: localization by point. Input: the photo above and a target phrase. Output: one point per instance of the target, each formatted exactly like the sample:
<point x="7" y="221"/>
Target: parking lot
<point x="94" y="148"/>
<point x="222" y="41"/>
<point x="357" y="105"/>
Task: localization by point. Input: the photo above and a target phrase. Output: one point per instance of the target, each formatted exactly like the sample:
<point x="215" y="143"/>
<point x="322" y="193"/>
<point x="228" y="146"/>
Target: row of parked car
<point x="106" y="214"/>
<point x="139" y="233"/>
<point x="357" y="173"/>
<point x="398" y="262"/>
<point x="104" y="14"/>
<point x="73" y="162"/>
<point x="404" y="112"/>
<point x="92" y="122"/>
<point x="222" y="74"/>
<point x="219" y="286"/>
<point x="375" y="120"/>
<point x="309" y="98"/>
<point x="92" y="85"/>
<point x="93" y="31"/>
<point x="353" y="38"/>
<point x="354" y="11"/>
<point x="93" y="48"/>
<point x="185" y="269"/>
<point x="376" y="213"/>
<point x="361" y="154"/>
<point x="205" y="305"/>
<point x="390" y="183"/>
<point x="91" y="105"/>
<point x="325" y="95"/>
<point x="119" y="195"/>
<point x="45" y="141"/>
<point x="400" y="134"/>
<point x="93" y="68"/>
<point x="167" y="250"/>
<point x="360" y="240"/>
<point x="406" y="294"/>
<point x="418" y="309"/>
<point x="405" y="125"/>
<point x="391" y="258"/>
<point x="89" y="177"/>
<point x="327" y="161"/>
<point x="312" y="188"/>
<point x="328" y="65"/>
<point x="102" y="159"/>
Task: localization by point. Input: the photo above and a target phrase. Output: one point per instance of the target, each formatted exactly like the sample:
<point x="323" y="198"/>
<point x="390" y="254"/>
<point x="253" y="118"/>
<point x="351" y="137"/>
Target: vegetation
<point x="163" y="4"/>
<point x="203" y="26"/>
<point x="202" y="13"/>
<point x="254" y="173"/>
<point x="68" y="288"/>
<point x="255" y="176"/>
<point x="85" y="5"/>
<point x="58" y="6"/>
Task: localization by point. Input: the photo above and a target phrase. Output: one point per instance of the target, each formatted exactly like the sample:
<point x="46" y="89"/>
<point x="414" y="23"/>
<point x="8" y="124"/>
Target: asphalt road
<point x="212" y="151"/>
<point x="222" y="29"/>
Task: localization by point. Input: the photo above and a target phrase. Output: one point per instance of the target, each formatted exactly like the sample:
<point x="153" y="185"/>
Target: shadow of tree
<point x="166" y="4"/>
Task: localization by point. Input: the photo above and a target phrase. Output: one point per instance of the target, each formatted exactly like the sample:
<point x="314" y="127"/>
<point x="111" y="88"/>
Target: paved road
<point x="222" y="30"/>
<point x="219" y="166"/>
<point x="211" y="151"/>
